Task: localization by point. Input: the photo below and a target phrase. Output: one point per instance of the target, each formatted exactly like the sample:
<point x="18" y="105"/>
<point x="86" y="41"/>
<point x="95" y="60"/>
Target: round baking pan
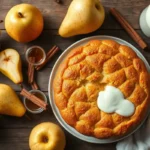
<point x="70" y="129"/>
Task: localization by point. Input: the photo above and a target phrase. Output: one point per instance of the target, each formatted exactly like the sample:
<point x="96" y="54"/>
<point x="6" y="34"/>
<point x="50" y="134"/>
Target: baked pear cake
<point x="102" y="89"/>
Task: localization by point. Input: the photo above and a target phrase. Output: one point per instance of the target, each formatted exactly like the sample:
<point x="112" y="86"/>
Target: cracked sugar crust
<point x="85" y="72"/>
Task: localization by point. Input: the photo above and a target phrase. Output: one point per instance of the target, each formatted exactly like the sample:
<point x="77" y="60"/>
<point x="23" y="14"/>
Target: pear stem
<point x="58" y="1"/>
<point x="45" y="139"/>
<point x="20" y="14"/>
<point x="97" y="6"/>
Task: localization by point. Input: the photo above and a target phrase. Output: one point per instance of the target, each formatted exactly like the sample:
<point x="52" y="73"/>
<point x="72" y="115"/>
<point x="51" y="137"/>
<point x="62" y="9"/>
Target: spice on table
<point x="31" y="79"/>
<point x="37" y="53"/>
<point x="129" y="29"/>
<point x="31" y="70"/>
<point x="49" y="55"/>
<point x="34" y="85"/>
<point x="34" y="99"/>
<point x="31" y="105"/>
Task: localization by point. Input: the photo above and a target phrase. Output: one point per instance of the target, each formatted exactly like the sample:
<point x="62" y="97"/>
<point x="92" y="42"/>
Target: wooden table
<point x="14" y="132"/>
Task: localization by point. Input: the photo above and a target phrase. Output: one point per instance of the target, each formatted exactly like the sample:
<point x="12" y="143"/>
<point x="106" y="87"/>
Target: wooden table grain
<point x="14" y="132"/>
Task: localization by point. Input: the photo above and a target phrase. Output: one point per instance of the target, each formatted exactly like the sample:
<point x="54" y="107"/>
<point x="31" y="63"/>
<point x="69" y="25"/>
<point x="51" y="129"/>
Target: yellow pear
<point x="47" y="136"/>
<point x="83" y="16"/>
<point x="10" y="103"/>
<point x="24" y="22"/>
<point x="10" y="65"/>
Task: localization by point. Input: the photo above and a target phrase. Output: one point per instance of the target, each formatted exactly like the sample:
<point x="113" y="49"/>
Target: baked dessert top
<point x="86" y="72"/>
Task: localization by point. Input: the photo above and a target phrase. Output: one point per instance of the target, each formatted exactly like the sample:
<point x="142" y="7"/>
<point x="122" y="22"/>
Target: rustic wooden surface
<point x="14" y="132"/>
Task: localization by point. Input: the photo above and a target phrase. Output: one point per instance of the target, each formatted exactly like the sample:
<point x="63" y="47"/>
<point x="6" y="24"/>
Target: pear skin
<point x="83" y="16"/>
<point x="24" y="22"/>
<point x="10" y="65"/>
<point x="47" y="136"/>
<point x="10" y="103"/>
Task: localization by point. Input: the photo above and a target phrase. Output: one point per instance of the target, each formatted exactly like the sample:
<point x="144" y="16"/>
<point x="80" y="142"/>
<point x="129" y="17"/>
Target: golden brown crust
<point x="85" y="72"/>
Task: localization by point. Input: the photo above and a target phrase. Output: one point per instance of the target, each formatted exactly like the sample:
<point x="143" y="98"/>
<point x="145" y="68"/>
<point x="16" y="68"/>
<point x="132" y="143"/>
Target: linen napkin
<point x="140" y="140"/>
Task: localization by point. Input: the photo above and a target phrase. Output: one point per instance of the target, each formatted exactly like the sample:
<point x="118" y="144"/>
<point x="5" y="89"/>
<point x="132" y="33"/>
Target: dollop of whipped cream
<point x="111" y="100"/>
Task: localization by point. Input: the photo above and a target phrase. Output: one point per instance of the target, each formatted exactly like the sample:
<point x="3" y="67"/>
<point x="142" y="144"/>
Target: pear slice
<point x="10" y="65"/>
<point x="10" y="103"/>
<point x="83" y="16"/>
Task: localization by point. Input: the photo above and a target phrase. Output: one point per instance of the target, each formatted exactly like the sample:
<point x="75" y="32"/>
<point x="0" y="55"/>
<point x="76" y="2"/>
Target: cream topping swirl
<point x="111" y="100"/>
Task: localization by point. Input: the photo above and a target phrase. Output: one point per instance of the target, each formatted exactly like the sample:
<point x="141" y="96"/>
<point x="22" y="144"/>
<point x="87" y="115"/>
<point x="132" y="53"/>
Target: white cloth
<point x="138" y="141"/>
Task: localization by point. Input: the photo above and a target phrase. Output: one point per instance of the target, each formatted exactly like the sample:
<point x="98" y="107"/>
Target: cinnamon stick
<point x="49" y="55"/>
<point x="33" y="98"/>
<point x="129" y="29"/>
<point x="31" y="70"/>
<point x="34" y="85"/>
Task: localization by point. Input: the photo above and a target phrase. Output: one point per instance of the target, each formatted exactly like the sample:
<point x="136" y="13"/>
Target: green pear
<point x="10" y="103"/>
<point x="10" y="65"/>
<point x="83" y="16"/>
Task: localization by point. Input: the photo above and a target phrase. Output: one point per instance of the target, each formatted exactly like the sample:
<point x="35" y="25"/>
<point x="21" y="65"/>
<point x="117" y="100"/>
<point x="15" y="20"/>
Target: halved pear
<point x="10" y="103"/>
<point x="10" y="65"/>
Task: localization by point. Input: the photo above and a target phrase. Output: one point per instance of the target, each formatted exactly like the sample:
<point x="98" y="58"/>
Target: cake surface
<point x="85" y="72"/>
